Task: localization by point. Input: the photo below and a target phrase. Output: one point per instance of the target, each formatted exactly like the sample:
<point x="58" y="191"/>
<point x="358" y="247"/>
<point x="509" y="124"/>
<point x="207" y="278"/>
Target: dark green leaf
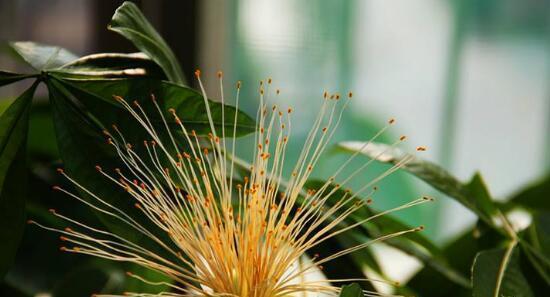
<point x="497" y="272"/>
<point x="42" y="57"/>
<point x="536" y="270"/>
<point x="41" y="141"/>
<point x="539" y="265"/>
<point x="353" y="290"/>
<point x="7" y="78"/>
<point x="81" y="147"/>
<point x="539" y="232"/>
<point x="473" y="195"/>
<point x="97" y="96"/>
<point x="477" y="194"/>
<point x="132" y="24"/>
<point x="536" y="244"/>
<point x="534" y="197"/>
<point x="460" y="254"/>
<point x="13" y="176"/>
<point x="12" y="208"/>
<point x="113" y="65"/>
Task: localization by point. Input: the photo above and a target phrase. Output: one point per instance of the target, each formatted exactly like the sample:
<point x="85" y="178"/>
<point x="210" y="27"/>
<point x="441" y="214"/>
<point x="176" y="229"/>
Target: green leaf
<point x="97" y="96"/>
<point x="534" y="197"/>
<point x="353" y="290"/>
<point x="41" y="141"/>
<point x="497" y="272"/>
<point x="539" y="232"/>
<point x="460" y="254"/>
<point x="537" y="271"/>
<point x="129" y="22"/>
<point x="42" y="57"/>
<point x="12" y="208"/>
<point x="13" y="176"/>
<point x="113" y="65"/>
<point x="82" y="146"/>
<point x="477" y="194"/>
<point x="7" y="78"/>
<point x="473" y="195"/>
<point x="539" y="265"/>
<point x="536" y="244"/>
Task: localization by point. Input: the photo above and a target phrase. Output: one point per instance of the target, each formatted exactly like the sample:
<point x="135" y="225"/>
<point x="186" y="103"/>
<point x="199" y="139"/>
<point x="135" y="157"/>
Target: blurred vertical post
<point x="452" y="83"/>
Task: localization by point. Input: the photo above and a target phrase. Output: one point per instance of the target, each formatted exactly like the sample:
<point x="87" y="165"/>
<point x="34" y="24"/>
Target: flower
<point x="225" y="238"/>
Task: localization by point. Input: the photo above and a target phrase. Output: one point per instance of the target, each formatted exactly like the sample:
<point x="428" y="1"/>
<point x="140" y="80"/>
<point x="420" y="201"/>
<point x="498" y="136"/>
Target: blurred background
<point x="468" y="79"/>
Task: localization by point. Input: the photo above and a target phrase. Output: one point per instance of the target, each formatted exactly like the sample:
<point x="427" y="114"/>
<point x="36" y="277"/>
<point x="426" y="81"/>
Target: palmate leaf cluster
<point x="38" y="134"/>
